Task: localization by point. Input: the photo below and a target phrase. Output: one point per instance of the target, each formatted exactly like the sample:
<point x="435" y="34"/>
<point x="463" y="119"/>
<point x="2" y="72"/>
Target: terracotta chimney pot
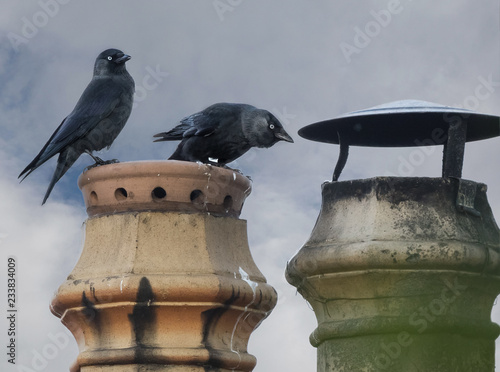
<point x="165" y="281"/>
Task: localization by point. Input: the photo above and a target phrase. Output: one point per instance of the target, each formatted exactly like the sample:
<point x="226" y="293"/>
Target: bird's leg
<point x="99" y="161"/>
<point x="214" y="163"/>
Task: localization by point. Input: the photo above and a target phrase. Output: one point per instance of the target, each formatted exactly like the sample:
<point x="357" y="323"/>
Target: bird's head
<point x="263" y="129"/>
<point x="111" y="61"/>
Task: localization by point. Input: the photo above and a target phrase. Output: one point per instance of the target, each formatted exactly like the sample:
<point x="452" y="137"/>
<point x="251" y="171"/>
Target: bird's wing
<point x="97" y="102"/>
<point x="200" y="124"/>
<point x="174" y="134"/>
<point x="203" y="123"/>
<point x="209" y="120"/>
<point x="35" y="163"/>
<point x="193" y="125"/>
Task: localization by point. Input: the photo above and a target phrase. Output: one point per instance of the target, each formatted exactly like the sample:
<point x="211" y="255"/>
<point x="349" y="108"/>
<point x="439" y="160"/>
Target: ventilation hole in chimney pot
<point x="196" y="196"/>
<point x="93" y="197"/>
<point x="228" y="202"/>
<point x="121" y="194"/>
<point x="158" y="193"/>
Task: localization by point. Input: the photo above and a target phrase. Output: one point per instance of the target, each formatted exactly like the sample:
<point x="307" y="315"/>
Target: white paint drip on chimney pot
<point x="253" y="285"/>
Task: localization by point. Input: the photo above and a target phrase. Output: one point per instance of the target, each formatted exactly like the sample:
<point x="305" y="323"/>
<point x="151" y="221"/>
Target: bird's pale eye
<point x="271" y="126"/>
<point x="110" y="58"/>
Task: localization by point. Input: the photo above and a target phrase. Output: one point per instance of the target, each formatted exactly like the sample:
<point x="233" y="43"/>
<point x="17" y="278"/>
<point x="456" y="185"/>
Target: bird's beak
<point x="283" y="136"/>
<point x="122" y="59"/>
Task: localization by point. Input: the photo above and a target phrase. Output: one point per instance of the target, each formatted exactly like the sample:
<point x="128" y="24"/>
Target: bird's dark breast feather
<point x="106" y="131"/>
<point x="230" y="151"/>
<point x="203" y="148"/>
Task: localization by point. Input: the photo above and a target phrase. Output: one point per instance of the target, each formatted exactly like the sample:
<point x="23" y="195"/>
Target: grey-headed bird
<point x="223" y="132"/>
<point x="98" y="117"/>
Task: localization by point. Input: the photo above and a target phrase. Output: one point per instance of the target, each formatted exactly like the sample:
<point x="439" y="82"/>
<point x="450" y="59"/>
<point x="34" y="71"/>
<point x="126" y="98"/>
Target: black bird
<point x="97" y="119"/>
<point x="223" y="132"/>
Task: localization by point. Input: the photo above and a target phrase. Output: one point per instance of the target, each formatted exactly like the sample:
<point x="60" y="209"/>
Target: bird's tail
<point x="64" y="162"/>
<point x="175" y="134"/>
<point x="30" y="168"/>
<point x="48" y="151"/>
<point x="35" y="163"/>
<point x="167" y="136"/>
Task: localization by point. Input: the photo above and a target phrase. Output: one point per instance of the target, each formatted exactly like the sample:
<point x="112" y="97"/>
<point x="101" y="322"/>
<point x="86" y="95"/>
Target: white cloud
<point x="45" y="243"/>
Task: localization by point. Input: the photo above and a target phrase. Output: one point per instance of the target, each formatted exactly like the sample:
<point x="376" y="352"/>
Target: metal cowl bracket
<point x="466" y="197"/>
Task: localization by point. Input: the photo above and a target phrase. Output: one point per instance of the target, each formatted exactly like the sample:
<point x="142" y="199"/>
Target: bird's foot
<point x="213" y="163"/>
<point x="224" y="166"/>
<point x="99" y="162"/>
<point x="237" y="171"/>
<point x="112" y="161"/>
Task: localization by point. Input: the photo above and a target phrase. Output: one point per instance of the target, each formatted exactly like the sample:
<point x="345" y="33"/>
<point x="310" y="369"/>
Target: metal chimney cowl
<point x="402" y="272"/>
<point x="399" y="278"/>
<point x="165" y="280"/>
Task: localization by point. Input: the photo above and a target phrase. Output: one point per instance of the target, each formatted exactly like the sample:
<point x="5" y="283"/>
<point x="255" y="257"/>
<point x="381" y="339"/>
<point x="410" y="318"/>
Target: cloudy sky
<point x="304" y="61"/>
